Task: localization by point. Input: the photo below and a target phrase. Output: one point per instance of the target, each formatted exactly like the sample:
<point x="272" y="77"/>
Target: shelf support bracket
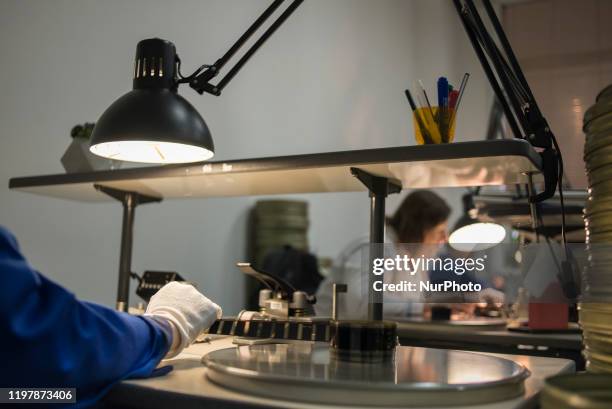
<point x="129" y="200"/>
<point x="379" y="188"/>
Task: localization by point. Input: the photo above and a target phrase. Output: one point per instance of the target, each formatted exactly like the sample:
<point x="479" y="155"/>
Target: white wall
<point x="330" y="79"/>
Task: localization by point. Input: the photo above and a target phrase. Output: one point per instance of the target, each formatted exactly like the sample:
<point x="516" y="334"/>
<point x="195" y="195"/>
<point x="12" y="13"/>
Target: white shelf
<point x="496" y="162"/>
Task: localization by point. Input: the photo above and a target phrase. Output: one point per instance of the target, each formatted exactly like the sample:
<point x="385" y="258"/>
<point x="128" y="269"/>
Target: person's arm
<point x="50" y="339"/>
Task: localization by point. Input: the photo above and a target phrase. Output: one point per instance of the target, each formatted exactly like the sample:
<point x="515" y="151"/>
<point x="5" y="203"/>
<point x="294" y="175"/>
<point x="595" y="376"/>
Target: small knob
<point x="264" y="295"/>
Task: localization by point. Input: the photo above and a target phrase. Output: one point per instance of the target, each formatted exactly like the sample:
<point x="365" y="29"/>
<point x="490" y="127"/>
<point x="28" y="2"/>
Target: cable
<point x="571" y="285"/>
<point x="178" y="67"/>
<point x="553" y="255"/>
<point x="560" y="184"/>
<point x="136" y="276"/>
<point x="182" y="78"/>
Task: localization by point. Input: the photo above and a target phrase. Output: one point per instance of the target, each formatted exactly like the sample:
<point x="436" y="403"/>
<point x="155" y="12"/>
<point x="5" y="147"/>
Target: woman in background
<point x="419" y="227"/>
<point x="422" y="221"/>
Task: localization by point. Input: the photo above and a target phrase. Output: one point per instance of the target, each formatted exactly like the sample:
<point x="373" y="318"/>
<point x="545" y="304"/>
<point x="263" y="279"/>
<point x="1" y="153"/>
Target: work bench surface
<point x="188" y="387"/>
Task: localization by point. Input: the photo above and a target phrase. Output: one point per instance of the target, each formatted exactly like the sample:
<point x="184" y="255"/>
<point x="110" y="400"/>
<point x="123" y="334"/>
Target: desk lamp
<point x="469" y="232"/>
<point x="153" y="123"/>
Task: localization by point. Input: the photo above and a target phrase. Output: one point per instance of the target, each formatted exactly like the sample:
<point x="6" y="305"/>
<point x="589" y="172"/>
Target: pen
<point x="452" y="99"/>
<point x="443" y="108"/>
<point x="426" y="99"/>
<point x="464" y="81"/>
<point x="424" y="132"/>
<point x="442" y="92"/>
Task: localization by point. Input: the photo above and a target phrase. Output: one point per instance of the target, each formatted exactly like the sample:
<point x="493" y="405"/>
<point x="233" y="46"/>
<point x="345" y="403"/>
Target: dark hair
<point x="421" y="210"/>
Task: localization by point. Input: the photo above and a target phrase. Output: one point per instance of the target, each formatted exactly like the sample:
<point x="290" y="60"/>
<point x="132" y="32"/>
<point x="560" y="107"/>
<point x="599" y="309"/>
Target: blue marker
<point x="442" y="92"/>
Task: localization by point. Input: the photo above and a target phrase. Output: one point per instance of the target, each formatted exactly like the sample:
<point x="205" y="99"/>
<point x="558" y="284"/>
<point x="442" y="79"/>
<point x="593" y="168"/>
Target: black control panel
<point x="152" y="281"/>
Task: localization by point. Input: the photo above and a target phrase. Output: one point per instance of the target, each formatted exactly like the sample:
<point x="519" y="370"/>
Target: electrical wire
<point x="186" y="79"/>
<point x="553" y="255"/>
<point x="136" y="277"/>
<point x="560" y="187"/>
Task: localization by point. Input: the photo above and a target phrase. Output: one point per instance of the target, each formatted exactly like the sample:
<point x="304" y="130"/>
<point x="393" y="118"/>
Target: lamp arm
<point x="201" y="82"/>
<point x="512" y="90"/>
<point x="506" y="46"/>
<point x="485" y="47"/>
<point x="470" y="31"/>
<point x="520" y="107"/>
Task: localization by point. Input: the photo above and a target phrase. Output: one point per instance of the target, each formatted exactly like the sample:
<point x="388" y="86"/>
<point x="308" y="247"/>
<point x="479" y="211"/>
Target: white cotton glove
<point x="186" y="310"/>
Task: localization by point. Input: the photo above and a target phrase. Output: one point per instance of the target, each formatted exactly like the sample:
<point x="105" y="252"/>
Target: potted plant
<point x="78" y="158"/>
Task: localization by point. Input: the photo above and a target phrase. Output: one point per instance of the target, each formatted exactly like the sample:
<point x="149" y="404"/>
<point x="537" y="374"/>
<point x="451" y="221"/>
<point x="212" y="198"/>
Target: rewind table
<point x="188" y="385"/>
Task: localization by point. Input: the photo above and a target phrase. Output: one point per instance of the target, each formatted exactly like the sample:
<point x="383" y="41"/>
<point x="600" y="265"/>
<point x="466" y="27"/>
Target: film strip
<point x="272" y="328"/>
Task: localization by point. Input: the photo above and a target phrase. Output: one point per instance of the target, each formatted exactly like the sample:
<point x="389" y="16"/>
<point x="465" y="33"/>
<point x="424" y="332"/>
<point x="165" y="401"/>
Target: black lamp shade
<point x="153" y="123"/>
<point x="464" y="220"/>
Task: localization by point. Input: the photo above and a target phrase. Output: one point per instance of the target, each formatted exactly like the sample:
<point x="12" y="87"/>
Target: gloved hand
<point x="186" y="310"/>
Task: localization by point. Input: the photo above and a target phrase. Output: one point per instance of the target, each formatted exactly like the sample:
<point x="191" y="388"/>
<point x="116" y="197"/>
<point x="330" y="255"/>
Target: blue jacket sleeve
<point x="50" y="339"/>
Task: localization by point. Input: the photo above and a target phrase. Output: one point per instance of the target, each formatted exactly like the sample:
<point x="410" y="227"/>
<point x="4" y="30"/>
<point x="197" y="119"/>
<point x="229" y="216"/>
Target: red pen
<point x="453" y="96"/>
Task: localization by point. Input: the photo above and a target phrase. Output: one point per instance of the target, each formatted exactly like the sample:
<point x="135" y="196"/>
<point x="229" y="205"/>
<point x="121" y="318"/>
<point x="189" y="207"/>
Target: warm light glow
<point x="151" y="152"/>
<point x="477" y="236"/>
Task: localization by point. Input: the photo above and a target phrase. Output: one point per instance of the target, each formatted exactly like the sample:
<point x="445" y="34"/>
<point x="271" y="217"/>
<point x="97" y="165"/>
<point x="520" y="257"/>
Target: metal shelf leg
<point x="379" y="188"/>
<point x="129" y="200"/>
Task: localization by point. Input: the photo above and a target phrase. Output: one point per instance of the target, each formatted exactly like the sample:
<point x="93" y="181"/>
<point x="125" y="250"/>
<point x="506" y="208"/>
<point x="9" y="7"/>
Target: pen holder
<point x="431" y="127"/>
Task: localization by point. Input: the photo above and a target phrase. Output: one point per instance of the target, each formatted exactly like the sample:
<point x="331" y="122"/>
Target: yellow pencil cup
<point x="431" y="127"/>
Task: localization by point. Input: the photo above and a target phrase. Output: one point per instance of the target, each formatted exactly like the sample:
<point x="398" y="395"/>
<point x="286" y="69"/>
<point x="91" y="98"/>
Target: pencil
<point x="424" y="132"/>
<point x="426" y="98"/>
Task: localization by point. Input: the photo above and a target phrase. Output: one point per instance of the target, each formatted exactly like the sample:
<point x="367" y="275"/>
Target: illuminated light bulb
<point x="477" y="236"/>
<point x="151" y="152"/>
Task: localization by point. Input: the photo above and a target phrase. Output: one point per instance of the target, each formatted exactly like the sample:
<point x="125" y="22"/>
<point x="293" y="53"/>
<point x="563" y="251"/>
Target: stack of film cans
<point x="596" y="303"/>
<point x="279" y="223"/>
